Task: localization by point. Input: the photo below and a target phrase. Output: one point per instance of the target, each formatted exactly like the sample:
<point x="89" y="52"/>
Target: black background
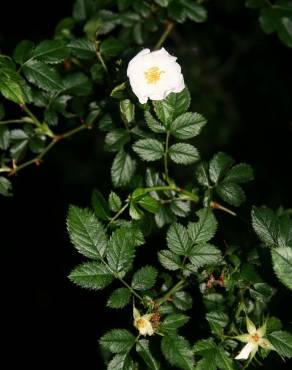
<point x="49" y="323"/>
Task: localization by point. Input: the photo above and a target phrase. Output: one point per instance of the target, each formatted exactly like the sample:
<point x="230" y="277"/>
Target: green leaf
<point x="118" y="340"/>
<point x="193" y="11"/>
<point x="231" y="193"/>
<point x="100" y="206"/>
<point x="285" y="30"/>
<point x="187" y="125"/>
<point x="144" y="278"/>
<point x="148" y="149"/>
<point x="23" y="51"/>
<point x="123" y="169"/>
<point x="265" y="225"/>
<point x="172" y="322"/>
<point x="205" y="254"/>
<point x="223" y="361"/>
<point x="82" y="9"/>
<point x="239" y="173"/>
<point x="282" y="265"/>
<point x="182" y="300"/>
<point x="172" y="106"/>
<point x="91" y="275"/>
<point x="106" y="123"/>
<point x="176" y="349"/>
<point x="121" y="251"/>
<point x="282" y="341"/>
<point x="111" y="47"/>
<point x="153" y="124"/>
<point x="82" y="48"/>
<point x="51" y="51"/>
<point x="176" y="11"/>
<point x="178" y="240"/>
<point x="10" y="86"/>
<point x="149" y="203"/>
<point x="206" y="363"/>
<point x="121" y="362"/>
<point x="5" y="186"/>
<point x="204" y="229"/>
<point x="119" y="298"/>
<point x="142" y="348"/>
<point x="4" y="137"/>
<point x="77" y="83"/>
<point x="169" y="260"/>
<point x="116" y="139"/>
<point x="86" y="233"/>
<point x="97" y="73"/>
<point x="217" y="321"/>
<point x="182" y="153"/>
<point x="202" y="174"/>
<point x="18" y="149"/>
<point x="219" y="165"/>
<point x="114" y="201"/>
<point x="127" y="109"/>
<point x="203" y="346"/>
<point x="180" y="208"/>
<point x="163" y="3"/>
<point x="43" y="76"/>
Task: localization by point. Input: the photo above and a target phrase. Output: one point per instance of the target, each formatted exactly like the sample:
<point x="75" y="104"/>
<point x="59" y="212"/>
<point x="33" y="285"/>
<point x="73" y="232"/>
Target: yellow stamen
<point x="255" y="338"/>
<point x="153" y="75"/>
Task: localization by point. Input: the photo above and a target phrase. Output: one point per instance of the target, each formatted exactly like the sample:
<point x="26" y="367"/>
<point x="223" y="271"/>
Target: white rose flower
<point x="143" y="323"/>
<point x="254" y="339"/>
<point x="154" y="75"/>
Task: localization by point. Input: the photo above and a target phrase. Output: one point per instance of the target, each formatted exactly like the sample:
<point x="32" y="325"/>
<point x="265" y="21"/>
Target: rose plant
<point x="98" y="73"/>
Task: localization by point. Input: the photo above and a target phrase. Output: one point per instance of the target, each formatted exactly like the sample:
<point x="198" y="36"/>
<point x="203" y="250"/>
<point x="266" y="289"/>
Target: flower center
<point x="153" y="74"/>
<point x="140" y="323"/>
<point x="255" y="338"/>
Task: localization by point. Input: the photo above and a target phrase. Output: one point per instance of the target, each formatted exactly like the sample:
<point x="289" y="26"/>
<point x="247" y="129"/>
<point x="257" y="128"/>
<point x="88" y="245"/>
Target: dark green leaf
<point x="97" y="73"/>
<point x="123" y="169"/>
<point x="77" y="83"/>
<point x="121" y="251"/>
<point x="204" y="229"/>
<point x="172" y="106"/>
<point x="219" y="164"/>
<point x="182" y="300"/>
<point x="217" y="321"/>
<point x="180" y="208"/>
<point x="86" y="233"/>
<point x="18" y="149"/>
<point x="282" y="341"/>
<point x="265" y="225"/>
<point x="187" y="125"/>
<point x="91" y="275"/>
<point x="153" y="124"/>
<point x="202" y="174"/>
<point x="100" y="206"/>
<point x="127" y="109"/>
<point x="82" y="9"/>
<point x="231" y="193"/>
<point x="163" y="3"/>
<point x="223" y="361"/>
<point x="182" y="153"/>
<point x="239" y="173"/>
<point x="178" y="240"/>
<point x="82" y="48"/>
<point x="118" y="340"/>
<point x="5" y="186"/>
<point x="23" y="51"/>
<point x="121" y="362"/>
<point x="119" y="298"/>
<point x="144" y="278"/>
<point x="149" y="149"/>
<point x="169" y="260"/>
<point x="282" y="264"/>
<point x="177" y="351"/>
<point x="106" y="123"/>
<point x="114" y="201"/>
<point x="142" y="348"/>
<point x="149" y="203"/>
<point x="111" y="47"/>
<point x="205" y="254"/>
<point x="4" y="137"/>
<point x="43" y="76"/>
<point x="193" y="11"/>
<point x="10" y="85"/>
<point x="51" y="51"/>
<point x="172" y="322"/>
<point x="116" y="139"/>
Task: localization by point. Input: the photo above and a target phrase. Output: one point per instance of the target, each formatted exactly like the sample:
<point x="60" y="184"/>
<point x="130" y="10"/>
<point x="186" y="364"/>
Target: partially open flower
<point x="143" y="323"/>
<point x="154" y="75"/>
<point x="253" y="340"/>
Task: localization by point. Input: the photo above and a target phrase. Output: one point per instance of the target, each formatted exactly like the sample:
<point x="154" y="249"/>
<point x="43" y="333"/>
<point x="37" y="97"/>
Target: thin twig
<point x="164" y="36"/>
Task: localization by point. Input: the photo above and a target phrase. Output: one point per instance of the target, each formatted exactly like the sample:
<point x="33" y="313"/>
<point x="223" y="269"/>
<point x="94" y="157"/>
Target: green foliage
<point x="77" y="80"/>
